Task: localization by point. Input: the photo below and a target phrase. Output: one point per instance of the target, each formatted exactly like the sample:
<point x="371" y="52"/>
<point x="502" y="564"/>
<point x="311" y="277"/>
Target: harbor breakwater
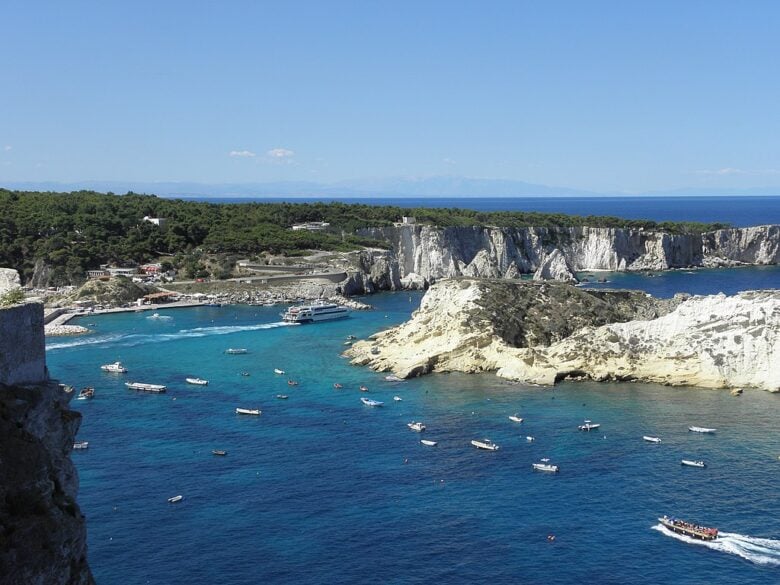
<point x="421" y="254"/>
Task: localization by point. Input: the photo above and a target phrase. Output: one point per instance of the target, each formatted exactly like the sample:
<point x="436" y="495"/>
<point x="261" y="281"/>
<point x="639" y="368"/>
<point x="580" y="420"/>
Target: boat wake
<point x="139" y="339"/>
<point x="761" y="551"/>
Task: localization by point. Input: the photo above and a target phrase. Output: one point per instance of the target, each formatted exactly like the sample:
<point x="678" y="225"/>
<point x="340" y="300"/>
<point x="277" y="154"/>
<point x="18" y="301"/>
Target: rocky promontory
<point x="544" y="332"/>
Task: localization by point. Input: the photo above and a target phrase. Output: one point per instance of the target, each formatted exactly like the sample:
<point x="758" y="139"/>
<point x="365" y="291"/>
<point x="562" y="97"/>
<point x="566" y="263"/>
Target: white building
<point x="311" y="226"/>
<point x="158" y="221"/>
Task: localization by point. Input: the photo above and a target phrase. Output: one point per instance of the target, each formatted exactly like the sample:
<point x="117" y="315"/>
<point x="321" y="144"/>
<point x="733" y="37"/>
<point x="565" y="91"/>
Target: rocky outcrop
<point x="9" y="280"/>
<point x="541" y="333"/>
<point x="22" y="346"/>
<point x="430" y="253"/>
<point x="555" y="267"/>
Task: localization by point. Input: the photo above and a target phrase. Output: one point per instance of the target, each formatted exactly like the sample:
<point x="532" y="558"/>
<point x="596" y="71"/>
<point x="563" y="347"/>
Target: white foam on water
<point x="138" y="339"/>
<point x="762" y="551"/>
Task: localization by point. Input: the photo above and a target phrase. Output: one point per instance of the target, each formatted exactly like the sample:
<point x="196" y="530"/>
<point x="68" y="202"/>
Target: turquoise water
<point x="321" y="489"/>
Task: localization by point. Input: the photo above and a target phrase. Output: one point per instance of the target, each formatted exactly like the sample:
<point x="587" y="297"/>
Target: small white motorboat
<point x="278" y="372"/>
<point x="157" y="316"/>
<point x="545" y="465"/>
<point x="701" y="430"/>
<point x="253" y="411"/>
<point x="236" y="351"/>
<point x="416" y="426"/>
<point x="392" y="378"/>
<point x="530" y="439"/>
<point x="397" y="398"/>
<point x="86" y="393"/>
<point x="691" y="463"/>
<point x="115" y="368"/>
<point x="485" y="444"/>
<point x="428" y="443"/>
<point x="157" y="388"/>
<point x="220" y="452"/>
<point x="282" y="396"/>
<point x="175" y="499"/>
<point x="369" y="402"/>
<point x="81" y="445"/>
<point x="651" y="439"/>
<point x="197" y="381"/>
<point x="515" y="418"/>
<point x="589" y="426"/>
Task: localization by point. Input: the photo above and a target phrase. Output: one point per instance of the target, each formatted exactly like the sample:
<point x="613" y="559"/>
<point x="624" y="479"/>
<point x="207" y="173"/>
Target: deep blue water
<point x="321" y="489"/>
<point x="737" y="211"/>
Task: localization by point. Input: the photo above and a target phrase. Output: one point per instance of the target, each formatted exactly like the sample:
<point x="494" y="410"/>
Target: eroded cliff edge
<point x="42" y="531"/>
<point x="543" y="332"/>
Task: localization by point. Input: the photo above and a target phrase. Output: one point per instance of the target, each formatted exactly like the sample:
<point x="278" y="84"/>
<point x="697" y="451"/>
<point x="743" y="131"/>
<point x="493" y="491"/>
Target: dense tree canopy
<point x="73" y="232"/>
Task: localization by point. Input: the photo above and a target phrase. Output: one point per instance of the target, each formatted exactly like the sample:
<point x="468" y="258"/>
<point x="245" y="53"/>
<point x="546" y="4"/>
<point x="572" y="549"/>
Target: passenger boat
<point x="252" y="411"/>
<point x="651" y="439"/>
<point x="86" y="393"/>
<point x="278" y="372"/>
<point x="397" y="398"/>
<point x="428" y="443"/>
<point x="486" y="444"/>
<point x="282" y="396"/>
<point x="688" y="528"/>
<point x="691" y="463"/>
<point x="589" y="426"/>
<point x="314" y="313"/>
<point x="515" y="418"/>
<point x="115" y="368"/>
<point x="219" y="452"/>
<point x="701" y="430"/>
<point x="545" y="465"/>
<point x="416" y="426"/>
<point x="197" y="381"/>
<point x="369" y="402"/>
<point x="236" y="351"/>
<point x="81" y="445"/>
<point x="175" y="499"/>
<point x="146" y="387"/>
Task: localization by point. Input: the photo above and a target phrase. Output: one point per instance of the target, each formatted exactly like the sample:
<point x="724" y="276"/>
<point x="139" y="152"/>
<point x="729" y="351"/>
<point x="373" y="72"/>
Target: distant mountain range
<point x="442" y="186"/>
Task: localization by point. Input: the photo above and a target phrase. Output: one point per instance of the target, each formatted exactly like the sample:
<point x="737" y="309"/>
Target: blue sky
<point x="602" y="96"/>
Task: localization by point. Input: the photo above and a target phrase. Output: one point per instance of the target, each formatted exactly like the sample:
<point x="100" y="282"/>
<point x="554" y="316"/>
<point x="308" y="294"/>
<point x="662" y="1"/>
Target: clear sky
<point x="591" y="95"/>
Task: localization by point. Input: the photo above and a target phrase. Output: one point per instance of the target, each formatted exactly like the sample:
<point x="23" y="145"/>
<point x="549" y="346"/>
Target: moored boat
<point x="530" y="439"/>
<point x="369" y="402"/>
<point x="689" y="529"/>
<point x="86" y="393"/>
<point x="175" y="499"/>
<point x="485" y="444"/>
<point x="81" y="445"/>
<point x="278" y="372"/>
<point x="337" y="386"/>
<point x="252" y="411"/>
<point x="701" y="430"/>
<point x="651" y="439"/>
<point x="416" y="426"/>
<point x="397" y="398"/>
<point x="197" y="381"/>
<point x="545" y="465"/>
<point x="236" y="351"/>
<point x="589" y="426"/>
<point x="515" y="418"/>
<point x="292" y="383"/>
<point x="115" y="368"/>
<point x="282" y="396"/>
<point x="146" y="387"/>
<point x="428" y="443"/>
<point x="220" y="452"/>
<point x="314" y="313"/>
<point x="691" y="463"/>
<point x="363" y="388"/>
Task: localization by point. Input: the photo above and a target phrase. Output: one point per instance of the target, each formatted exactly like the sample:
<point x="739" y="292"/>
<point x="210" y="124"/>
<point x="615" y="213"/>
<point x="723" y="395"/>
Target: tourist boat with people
<point x="115" y="368"/>
<point x="485" y="444"/>
<point x="81" y="445"/>
<point x="651" y="439"/>
<point x="428" y="443"/>
<point x="197" y="381"/>
<point x="86" y="393"/>
<point x="689" y="529"/>
<point x="314" y="313"/>
<point x="416" y="426"/>
<point x="589" y="426"/>
<point x="236" y="351"/>
<point x="143" y="387"/>
<point x="251" y="411"/>
<point x="704" y="430"/>
<point x="369" y="402"/>
<point x="545" y="465"/>
<point x="515" y="418"/>
<point x="691" y="463"/>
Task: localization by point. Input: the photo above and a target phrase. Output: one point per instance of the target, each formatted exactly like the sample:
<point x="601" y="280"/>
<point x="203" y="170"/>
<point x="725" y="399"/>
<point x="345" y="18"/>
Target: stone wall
<point x="22" y="346"/>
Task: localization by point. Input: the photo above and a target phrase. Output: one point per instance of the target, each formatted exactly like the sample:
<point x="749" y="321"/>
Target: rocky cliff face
<point x="424" y="254"/>
<point x="42" y="531"/>
<point x="541" y="333"/>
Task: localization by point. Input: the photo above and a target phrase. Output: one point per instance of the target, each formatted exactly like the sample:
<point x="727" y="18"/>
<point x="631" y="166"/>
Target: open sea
<point x="322" y="489"/>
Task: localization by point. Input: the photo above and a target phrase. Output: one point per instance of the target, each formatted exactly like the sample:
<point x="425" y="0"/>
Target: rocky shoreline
<point x="544" y="332"/>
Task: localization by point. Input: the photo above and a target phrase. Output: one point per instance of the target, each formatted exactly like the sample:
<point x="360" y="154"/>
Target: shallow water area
<point x="322" y="489"/>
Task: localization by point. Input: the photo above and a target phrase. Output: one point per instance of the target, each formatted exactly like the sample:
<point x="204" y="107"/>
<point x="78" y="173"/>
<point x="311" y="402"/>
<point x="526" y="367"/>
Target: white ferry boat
<point x="116" y="368"/>
<point x="315" y="312"/>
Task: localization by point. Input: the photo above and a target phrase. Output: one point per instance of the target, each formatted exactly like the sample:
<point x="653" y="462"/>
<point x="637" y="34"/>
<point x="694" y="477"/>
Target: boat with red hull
<point x="689" y="529"/>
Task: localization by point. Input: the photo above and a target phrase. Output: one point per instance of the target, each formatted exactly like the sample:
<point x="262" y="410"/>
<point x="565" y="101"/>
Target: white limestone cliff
<point x="9" y="280"/>
<point x="555" y="267"/>
<point x="710" y="341"/>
